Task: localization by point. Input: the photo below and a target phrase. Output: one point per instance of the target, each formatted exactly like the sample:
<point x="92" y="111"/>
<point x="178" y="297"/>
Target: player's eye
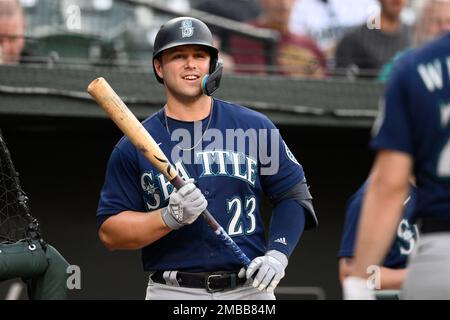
<point x="176" y="56"/>
<point x="200" y="55"/>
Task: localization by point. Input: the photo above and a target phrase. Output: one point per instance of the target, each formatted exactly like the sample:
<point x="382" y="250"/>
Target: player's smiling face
<point x="183" y="68"/>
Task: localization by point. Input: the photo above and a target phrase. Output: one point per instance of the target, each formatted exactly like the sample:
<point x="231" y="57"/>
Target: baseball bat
<point x="108" y="99"/>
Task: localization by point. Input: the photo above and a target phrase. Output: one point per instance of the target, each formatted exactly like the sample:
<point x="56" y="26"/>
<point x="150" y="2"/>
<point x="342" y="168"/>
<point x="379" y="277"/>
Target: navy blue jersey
<point x="406" y="235"/>
<point x="230" y="178"/>
<point x="416" y="121"/>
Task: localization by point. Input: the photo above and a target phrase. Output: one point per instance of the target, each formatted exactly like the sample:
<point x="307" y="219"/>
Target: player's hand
<point x="270" y="269"/>
<point x="185" y="205"/>
<point x="355" y="288"/>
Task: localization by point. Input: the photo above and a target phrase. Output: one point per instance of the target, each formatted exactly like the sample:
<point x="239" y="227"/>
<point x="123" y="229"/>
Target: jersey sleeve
<point x="392" y="129"/>
<point x="279" y="169"/>
<point x="120" y="191"/>
<point x="287" y="226"/>
<point x="352" y="213"/>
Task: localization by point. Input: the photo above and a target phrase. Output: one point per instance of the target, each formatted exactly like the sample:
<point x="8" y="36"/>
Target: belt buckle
<point x="208" y="288"/>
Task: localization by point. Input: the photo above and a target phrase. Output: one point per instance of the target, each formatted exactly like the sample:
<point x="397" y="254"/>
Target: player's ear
<point x="158" y="67"/>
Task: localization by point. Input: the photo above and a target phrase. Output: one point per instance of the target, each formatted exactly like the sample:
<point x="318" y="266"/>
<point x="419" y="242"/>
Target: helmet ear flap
<point x="211" y="82"/>
<point x="214" y="62"/>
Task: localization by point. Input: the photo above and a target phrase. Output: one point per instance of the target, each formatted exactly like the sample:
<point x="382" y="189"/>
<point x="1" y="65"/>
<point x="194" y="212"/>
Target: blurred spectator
<point x="226" y="59"/>
<point x="239" y="10"/>
<point x="136" y="41"/>
<point x="12" y="31"/>
<point x="366" y="49"/>
<point x="433" y="20"/>
<point x="296" y="56"/>
<point x="325" y="21"/>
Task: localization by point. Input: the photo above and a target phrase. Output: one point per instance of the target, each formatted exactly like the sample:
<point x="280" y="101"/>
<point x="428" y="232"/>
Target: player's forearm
<point x="132" y="230"/>
<point x="381" y="214"/>
<point x="392" y="279"/>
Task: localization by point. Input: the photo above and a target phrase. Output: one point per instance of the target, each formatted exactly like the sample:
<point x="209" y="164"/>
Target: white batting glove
<point x="185" y="205"/>
<point x="355" y="288"/>
<point x="270" y="269"/>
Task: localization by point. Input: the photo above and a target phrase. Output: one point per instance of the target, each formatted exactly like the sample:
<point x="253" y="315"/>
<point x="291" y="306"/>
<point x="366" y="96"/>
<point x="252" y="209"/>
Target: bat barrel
<point x="94" y="83"/>
<point x="108" y="99"/>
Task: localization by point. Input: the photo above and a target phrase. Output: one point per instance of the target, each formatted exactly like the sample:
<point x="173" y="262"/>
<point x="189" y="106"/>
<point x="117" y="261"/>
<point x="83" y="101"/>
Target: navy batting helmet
<point x="183" y="31"/>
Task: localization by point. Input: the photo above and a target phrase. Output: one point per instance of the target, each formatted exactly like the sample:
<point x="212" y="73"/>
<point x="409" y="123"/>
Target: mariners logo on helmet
<point x="187" y="30"/>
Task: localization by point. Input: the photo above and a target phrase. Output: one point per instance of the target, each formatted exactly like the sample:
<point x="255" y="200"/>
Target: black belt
<point x="212" y="282"/>
<point x="429" y="225"/>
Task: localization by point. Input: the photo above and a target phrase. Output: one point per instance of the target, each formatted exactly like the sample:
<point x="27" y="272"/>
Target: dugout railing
<point x="60" y="90"/>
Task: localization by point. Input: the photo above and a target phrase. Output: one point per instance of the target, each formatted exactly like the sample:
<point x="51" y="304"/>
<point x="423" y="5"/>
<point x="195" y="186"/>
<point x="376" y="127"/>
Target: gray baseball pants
<point x="429" y="269"/>
<point x="158" y="291"/>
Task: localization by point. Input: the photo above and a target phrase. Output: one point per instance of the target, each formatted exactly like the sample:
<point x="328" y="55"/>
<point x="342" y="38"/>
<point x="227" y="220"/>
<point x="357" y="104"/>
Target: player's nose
<point x="190" y="63"/>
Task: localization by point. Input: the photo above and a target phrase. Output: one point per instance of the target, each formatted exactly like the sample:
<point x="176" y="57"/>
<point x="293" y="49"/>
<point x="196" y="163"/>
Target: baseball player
<point x="139" y="209"/>
<point x="413" y="138"/>
<point x="393" y="271"/>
